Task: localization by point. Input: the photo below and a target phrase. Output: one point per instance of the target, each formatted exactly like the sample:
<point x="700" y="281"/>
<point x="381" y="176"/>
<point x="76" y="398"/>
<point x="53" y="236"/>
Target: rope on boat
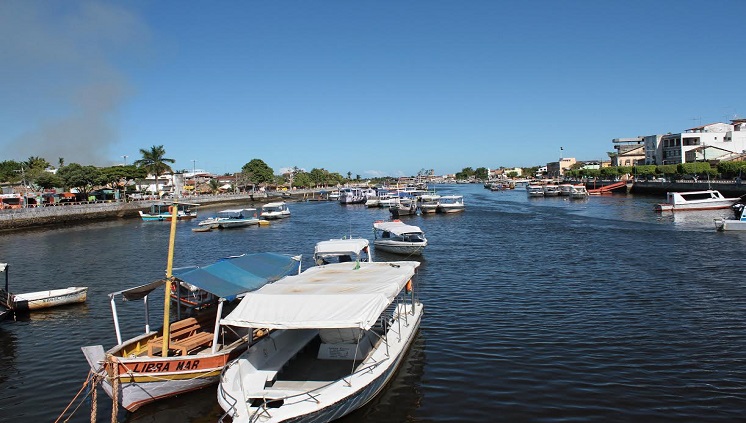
<point x="115" y="391"/>
<point x="86" y="384"/>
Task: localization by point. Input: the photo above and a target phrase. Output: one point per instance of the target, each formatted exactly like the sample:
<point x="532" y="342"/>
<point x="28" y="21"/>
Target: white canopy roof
<point x="397" y="228"/>
<point x="338" y="295"/>
<point x="352" y="246"/>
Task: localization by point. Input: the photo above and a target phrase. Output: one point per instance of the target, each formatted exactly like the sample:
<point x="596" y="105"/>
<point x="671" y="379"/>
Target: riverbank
<point x="72" y="213"/>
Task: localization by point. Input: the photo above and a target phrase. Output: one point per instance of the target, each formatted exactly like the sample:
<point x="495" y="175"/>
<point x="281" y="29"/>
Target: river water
<point x="535" y="310"/>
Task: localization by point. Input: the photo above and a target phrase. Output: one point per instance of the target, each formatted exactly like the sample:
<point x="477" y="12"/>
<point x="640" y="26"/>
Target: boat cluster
<point x="402" y="202"/>
<point x="281" y="344"/>
<point x="575" y="191"/>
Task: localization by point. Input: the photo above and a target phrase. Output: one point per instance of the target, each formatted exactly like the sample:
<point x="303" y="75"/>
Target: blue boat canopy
<point x="237" y="275"/>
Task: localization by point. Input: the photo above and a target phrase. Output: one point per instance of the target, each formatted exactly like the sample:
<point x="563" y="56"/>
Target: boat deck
<point x="307" y="367"/>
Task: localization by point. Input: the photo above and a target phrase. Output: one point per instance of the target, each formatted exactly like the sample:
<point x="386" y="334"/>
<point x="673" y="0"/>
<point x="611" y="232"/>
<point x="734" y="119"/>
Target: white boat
<point x="232" y="218"/>
<point x="397" y="237"/>
<point x="534" y="190"/>
<point x="23" y="303"/>
<point x="451" y="204"/>
<point x="387" y="199"/>
<point x="197" y="346"/>
<point x="578" y="192"/>
<point x="565" y="190"/>
<point x="695" y="200"/>
<point x="334" y="195"/>
<point x="163" y="212"/>
<point x="429" y="203"/>
<point x="737" y="224"/>
<point x="351" y="196"/>
<point x="338" y="334"/>
<point x="406" y="206"/>
<point x="271" y="211"/>
<point x="551" y="190"/>
<point x="341" y="250"/>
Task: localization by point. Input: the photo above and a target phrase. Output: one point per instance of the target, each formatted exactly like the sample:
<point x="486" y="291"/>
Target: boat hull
<point x="730" y="225"/>
<point x="694" y="206"/>
<point x="344" y="396"/>
<point x="142" y="380"/>
<point x="46" y="299"/>
<point x="400" y="247"/>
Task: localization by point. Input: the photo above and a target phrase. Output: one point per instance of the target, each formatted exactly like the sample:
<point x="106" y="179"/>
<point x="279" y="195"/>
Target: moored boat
<point x="429" y="203"/>
<point x="551" y="190"/>
<point x="232" y="218"/>
<point x="23" y="303"/>
<point x="737" y="224"/>
<point x="533" y="190"/>
<point x="188" y="353"/>
<point x="339" y="333"/>
<point x="451" y="204"/>
<point x="400" y="238"/>
<point x="578" y="192"/>
<point x="695" y="200"/>
<point x="341" y="250"/>
<point x="273" y="211"/>
<point x="351" y="196"/>
<point x="163" y="212"/>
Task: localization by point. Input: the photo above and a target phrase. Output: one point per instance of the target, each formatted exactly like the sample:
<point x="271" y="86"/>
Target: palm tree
<point x="154" y="162"/>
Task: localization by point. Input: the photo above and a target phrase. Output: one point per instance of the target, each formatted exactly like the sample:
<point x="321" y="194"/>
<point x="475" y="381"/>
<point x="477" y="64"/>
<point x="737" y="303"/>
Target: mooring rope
<point x="115" y="391"/>
<point x="88" y="379"/>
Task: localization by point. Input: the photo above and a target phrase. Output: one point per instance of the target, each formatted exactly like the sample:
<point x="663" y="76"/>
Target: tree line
<point x="723" y="170"/>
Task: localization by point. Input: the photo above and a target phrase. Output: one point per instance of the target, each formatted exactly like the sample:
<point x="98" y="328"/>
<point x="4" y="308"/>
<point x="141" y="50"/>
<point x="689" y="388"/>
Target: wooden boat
<point x="328" y="357"/>
<point x="164" y="212"/>
<point x="189" y="353"/>
<point x="397" y="237"/>
<point x="23" y="303"/>
<point x="695" y="200"/>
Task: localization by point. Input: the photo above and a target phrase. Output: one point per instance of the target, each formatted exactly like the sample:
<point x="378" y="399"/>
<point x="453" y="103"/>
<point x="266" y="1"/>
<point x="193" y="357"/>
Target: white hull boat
<point x="429" y="203"/>
<point x="273" y="211"/>
<point x="235" y="218"/>
<point x="342" y="250"/>
<point x="320" y="363"/>
<point x="695" y="200"/>
<point x="451" y="204"/>
<point x="738" y="224"/>
<point x="534" y="190"/>
<point x="23" y="303"/>
<point x="579" y="192"/>
<point x="397" y="237"/>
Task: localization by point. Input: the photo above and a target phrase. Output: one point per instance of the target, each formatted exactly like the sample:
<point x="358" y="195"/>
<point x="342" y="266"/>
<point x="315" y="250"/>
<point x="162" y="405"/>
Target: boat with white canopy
<point x="338" y="334"/>
<point x="341" y="250"/>
<point x="398" y="237"/>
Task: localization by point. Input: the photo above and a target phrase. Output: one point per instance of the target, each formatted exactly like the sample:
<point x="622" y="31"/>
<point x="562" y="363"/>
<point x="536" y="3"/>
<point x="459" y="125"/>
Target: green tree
<point x="481" y="173"/>
<point x="118" y="177"/>
<point x="154" y="162"/>
<point x="214" y="185"/>
<point x="258" y="172"/>
<point x="643" y="171"/>
<point x="302" y="180"/>
<point x="668" y="170"/>
<point x="732" y="169"/>
<point x="83" y="178"/>
<point x="48" y="180"/>
<point x="10" y="171"/>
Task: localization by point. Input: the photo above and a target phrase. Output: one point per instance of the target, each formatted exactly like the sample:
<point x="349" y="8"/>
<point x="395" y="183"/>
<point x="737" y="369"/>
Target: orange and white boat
<point x="137" y="371"/>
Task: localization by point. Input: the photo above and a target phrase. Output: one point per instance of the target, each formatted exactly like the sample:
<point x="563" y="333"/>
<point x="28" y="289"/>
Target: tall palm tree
<point x="154" y="162"/>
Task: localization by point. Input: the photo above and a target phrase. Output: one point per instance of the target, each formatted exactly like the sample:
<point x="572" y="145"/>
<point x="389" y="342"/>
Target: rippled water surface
<point x="535" y="310"/>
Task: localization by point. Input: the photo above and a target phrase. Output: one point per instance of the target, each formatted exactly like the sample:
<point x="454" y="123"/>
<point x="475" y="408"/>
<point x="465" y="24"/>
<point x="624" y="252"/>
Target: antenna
<point x="698" y="119"/>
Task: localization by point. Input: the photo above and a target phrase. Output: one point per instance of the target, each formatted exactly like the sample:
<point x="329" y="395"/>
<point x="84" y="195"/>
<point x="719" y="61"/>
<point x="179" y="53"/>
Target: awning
<point x="139" y="292"/>
<point x="397" y="228"/>
<point x="335" y="247"/>
<point x="339" y="295"/>
<point x="232" y="276"/>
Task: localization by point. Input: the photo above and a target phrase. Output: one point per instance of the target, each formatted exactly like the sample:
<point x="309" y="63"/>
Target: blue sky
<point x="368" y="87"/>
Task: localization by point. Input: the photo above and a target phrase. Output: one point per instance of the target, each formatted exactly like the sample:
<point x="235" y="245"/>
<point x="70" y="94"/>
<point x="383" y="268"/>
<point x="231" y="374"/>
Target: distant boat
<point x="232" y="218"/>
<point x="271" y="211"/>
<point x="429" y="203"/>
<point x="164" y="212"/>
<point x="578" y="192"/>
<point x="695" y="200"/>
<point x="451" y="204"/>
<point x="351" y="196"/>
<point x="533" y="190"/>
<point x="23" y="303"/>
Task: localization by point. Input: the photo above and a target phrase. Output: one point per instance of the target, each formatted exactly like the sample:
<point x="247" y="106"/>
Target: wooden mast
<point x="169" y="269"/>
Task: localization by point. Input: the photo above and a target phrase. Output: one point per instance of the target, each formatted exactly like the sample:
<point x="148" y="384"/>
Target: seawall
<point x="62" y="214"/>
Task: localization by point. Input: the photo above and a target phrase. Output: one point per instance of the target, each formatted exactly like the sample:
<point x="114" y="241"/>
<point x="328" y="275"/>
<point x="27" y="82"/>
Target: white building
<point x="728" y="138"/>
